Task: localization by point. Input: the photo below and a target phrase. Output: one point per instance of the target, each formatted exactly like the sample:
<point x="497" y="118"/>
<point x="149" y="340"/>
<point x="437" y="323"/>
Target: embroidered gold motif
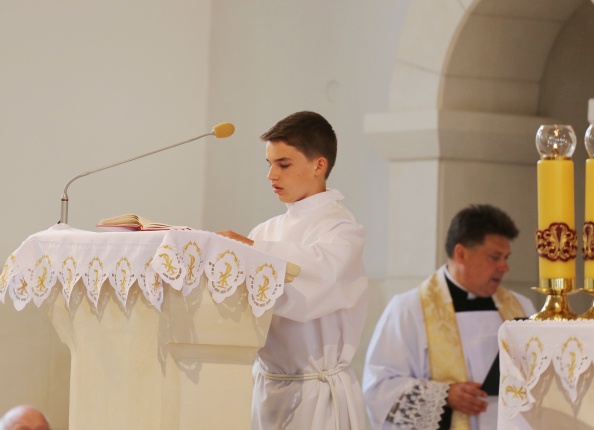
<point x="124" y="281"/>
<point x="41" y="280"/>
<point x="40" y="286"/>
<point x="21" y="292"/>
<point x="4" y="274"/>
<point x="264" y="287"/>
<point x="68" y="274"/>
<point x="191" y="266"/>
<point x="559" y="242"/>
<point x="156" y="283"/>
<point x="588" y="240"/>
<point x="534" y="348"/>
<point x="516" y="392"/>
<point x="446" y="357"/>
<point x="94" y="276"/>
<point x="223" y="282"/>
<point x="42" y="277"/>
<point x="170" y="263"/>
<point x="194" y="261"/>
<point x="151" y="284"/>
<point x="224" y="278"/>
<point x="571" y="366"/>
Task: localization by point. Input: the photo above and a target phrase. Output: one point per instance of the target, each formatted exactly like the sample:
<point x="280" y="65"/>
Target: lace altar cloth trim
<point x="528" y="348"/>
<point x="420" y="406"/>
<point x="177" y="257"/>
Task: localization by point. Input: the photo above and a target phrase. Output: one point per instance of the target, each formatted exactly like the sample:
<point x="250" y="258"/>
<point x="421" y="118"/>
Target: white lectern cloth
<point x="181" y="258"/>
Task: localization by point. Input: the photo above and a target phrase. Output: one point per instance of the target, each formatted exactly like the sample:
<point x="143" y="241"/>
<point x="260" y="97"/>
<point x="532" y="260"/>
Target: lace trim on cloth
<point x="529" y="348"/>
<point x="420" y="407"/>
<point x="182" y="259"/>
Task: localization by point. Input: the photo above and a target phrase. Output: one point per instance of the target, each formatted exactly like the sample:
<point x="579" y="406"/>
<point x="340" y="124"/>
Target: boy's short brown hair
<point x="309" y="133"/>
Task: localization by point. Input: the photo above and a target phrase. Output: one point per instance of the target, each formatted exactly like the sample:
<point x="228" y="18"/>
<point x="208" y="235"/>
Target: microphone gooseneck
<point x="222" y="130"/>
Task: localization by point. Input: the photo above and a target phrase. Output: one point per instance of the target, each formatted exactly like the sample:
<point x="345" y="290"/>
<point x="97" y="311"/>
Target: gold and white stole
<point x="446" y="357"/>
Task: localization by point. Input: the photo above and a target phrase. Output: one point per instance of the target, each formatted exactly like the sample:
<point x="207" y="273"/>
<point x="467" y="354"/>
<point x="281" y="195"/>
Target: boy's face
<point x="292" y="175"/>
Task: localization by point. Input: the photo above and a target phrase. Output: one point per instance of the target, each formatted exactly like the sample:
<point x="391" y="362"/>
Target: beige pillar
<point x="443" y="160"/>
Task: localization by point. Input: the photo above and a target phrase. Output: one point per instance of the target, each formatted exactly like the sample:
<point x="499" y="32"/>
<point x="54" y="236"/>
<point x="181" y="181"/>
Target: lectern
<point x="163" y="327"/>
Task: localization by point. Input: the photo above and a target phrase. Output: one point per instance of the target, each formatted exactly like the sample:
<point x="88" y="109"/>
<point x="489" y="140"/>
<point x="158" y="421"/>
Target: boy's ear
<point x="321" y="165"/>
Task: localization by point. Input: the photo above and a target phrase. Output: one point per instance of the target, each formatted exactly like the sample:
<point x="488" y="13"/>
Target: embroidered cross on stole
<point x="446" y="357"/>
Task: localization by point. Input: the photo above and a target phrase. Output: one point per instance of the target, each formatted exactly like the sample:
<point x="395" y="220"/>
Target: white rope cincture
<point x="322" y="376"/>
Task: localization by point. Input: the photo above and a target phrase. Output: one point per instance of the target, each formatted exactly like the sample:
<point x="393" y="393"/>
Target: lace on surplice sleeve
<point x="420" y="406"/>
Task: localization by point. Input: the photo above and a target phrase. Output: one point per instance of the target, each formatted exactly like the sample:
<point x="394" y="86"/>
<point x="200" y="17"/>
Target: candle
<point x="556" y="219"/>
<point x="556" y="236"/>
<point x="588" y="233"/>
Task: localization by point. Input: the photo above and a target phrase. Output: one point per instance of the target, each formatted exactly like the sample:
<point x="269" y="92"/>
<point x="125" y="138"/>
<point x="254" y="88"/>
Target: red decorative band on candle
<point x="588" y="241"/>
<point x="558" y="242"/>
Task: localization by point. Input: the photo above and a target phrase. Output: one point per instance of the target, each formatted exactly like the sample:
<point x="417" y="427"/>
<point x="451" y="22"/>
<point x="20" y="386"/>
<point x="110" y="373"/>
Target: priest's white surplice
<point x="397" y="364"/>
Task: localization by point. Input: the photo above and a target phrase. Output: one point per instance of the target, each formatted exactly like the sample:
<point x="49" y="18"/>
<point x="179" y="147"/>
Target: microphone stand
<point x="224" y="129"/>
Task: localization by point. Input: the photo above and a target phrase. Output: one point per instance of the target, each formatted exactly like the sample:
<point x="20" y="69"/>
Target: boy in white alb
<point x="304" y="379"/>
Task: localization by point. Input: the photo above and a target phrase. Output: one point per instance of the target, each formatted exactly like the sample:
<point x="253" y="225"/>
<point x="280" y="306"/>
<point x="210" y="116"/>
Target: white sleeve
<point x="332" y="274"/>
<point x="396" y="380"/>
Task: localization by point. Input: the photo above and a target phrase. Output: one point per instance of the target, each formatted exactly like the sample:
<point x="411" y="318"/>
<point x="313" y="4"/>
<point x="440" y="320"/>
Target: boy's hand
<point x="232" y="235"/>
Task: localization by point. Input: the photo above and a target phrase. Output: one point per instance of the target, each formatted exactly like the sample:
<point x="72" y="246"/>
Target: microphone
<point x="220" y="131"/>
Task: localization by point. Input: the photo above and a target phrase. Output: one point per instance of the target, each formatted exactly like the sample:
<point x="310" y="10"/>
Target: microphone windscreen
<point x="224" y="129"/>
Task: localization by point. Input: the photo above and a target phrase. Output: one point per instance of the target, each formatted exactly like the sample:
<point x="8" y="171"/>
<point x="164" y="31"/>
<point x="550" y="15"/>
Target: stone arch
<point x="463" y="112"/>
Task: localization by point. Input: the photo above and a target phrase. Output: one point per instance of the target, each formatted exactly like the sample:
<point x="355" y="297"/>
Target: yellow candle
<point x="556" y="207"/>
<point x="589" y="213"/>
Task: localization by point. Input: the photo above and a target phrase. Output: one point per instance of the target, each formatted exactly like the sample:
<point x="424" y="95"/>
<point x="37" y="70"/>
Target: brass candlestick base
<point x="556" y="306"/>
<point x="588" y="289"/>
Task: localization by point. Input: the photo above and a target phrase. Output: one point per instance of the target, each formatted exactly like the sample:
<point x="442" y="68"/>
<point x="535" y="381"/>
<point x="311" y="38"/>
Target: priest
<point x="432" y="362"/>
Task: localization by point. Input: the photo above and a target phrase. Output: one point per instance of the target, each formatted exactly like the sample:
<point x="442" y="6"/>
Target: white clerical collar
<point x="471" y="296"/>
<point x="330" y="195"/>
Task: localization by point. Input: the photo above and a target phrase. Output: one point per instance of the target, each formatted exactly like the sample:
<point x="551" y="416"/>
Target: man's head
<point x="478" y="246"/>
<point x="301" y="150"/>
<point x="24" y="417"/>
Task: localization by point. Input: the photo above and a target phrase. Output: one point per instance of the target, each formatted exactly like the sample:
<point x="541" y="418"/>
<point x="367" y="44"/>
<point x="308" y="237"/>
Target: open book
<point x="131" y="222"/>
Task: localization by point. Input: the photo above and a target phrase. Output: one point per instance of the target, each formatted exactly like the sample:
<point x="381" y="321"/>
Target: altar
<point x="547" y="368"/>
<point x="162" y="326"/>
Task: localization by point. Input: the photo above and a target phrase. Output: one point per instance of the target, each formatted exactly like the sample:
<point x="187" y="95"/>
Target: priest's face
<point x="483" y="266"/>
<point x="292" y="175"/>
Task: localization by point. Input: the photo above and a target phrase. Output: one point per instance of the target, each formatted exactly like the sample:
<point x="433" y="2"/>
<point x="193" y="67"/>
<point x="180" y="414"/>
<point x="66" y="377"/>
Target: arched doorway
<point x="472" y="82"/>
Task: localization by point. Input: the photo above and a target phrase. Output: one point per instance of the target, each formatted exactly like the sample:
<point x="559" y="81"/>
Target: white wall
<point x="85" y="84"/>
<point x="273" y="58"/>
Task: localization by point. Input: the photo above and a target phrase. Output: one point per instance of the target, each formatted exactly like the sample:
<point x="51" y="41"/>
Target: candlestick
<point x="588" y="231"/>
<point x="556" y="238"/>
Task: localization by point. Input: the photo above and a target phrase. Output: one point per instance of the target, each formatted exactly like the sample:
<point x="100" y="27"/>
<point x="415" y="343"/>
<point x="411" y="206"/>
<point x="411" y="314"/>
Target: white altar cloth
<point x="181" y="258"/>
<point x="547" y="370"/>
